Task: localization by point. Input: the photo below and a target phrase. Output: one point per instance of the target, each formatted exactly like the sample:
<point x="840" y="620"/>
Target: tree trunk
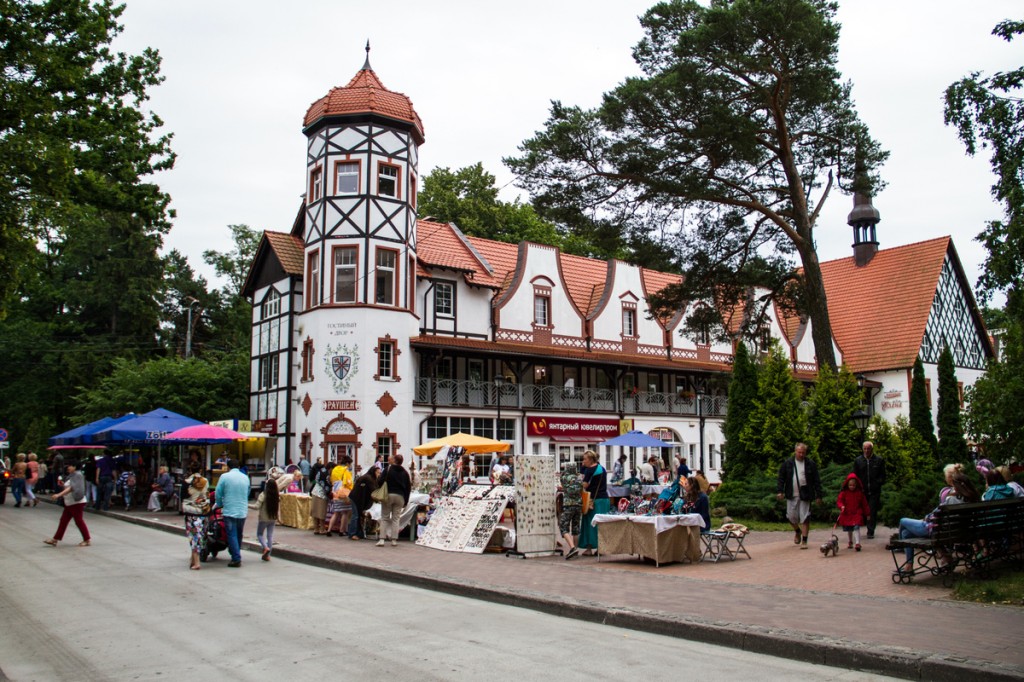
<point x="817" y="308"/>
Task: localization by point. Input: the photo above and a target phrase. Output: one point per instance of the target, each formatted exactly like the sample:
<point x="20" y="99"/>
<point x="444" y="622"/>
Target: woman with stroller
<point x="196" y="509"/>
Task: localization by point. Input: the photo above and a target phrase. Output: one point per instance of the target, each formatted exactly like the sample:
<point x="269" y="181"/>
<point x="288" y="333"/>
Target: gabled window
<point x="388" y="183"/>
<point x="628" y="321"/>
<point x="444" y="294"/>
<point x="345" y="271"/>
<point x="316" y="185"/>
<point x="385" y="276"/>
<point x="541" y="310"/>
<point x="313" y="280"/>
<point x="271" y="305"/>
<point x="346" y="177"/>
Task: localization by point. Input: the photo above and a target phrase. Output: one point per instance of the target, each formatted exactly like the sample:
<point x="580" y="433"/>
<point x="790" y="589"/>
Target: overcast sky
<point x="481" y="75"/>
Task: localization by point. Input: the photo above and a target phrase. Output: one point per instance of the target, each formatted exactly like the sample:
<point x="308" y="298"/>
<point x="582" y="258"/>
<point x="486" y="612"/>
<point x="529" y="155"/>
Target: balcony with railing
<point x="486" y="395"/>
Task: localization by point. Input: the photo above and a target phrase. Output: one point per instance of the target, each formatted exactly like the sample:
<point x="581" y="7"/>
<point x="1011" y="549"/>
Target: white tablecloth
<point x="661" y="522"/>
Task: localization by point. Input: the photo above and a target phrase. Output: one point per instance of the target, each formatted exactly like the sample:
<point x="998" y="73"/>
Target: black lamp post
<point x="860" y="419"/>
<point x="700" y="419"/>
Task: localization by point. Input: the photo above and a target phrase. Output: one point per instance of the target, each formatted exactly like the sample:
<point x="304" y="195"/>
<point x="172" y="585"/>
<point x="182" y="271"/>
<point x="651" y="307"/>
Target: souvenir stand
<point x="536" y="517"/>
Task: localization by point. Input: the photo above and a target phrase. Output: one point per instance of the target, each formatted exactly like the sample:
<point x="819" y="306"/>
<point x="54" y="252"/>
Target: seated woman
<point x="997" y="489"/>
<point x="696" y="502"/>
<point x="163" y="490"/>
<point x="963" y="492"/>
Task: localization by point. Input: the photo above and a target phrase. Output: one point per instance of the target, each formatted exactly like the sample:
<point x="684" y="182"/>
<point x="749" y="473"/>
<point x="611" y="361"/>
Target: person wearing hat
<point x="196" y="508"/>
<point x="74" y="506"/>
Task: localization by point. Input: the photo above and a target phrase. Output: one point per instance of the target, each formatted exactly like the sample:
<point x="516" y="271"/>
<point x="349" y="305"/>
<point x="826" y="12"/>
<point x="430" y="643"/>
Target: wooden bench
<point x="970" y="535"/>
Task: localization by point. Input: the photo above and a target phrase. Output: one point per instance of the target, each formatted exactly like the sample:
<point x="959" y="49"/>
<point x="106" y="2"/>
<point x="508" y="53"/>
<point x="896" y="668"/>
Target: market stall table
<point x="624" y="490"/>
<point x="294" y="511"/>
<point x="664" y="538"/>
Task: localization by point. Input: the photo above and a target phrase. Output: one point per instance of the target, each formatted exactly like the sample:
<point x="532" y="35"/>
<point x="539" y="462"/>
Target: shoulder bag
<point x="381" y="493"/>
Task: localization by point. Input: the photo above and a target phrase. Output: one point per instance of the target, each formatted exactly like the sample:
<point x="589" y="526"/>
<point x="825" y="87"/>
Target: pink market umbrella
<point x="204" y="433"/>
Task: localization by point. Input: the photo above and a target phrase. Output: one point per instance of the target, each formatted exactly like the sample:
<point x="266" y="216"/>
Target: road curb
<point x="782" y="643"/>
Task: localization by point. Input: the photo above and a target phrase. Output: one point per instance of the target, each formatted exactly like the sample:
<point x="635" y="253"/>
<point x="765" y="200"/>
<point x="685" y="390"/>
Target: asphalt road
<point x="127" y="608"/>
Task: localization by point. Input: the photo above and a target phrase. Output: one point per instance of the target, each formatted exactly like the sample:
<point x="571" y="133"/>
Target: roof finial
<point x="366" y="64"/>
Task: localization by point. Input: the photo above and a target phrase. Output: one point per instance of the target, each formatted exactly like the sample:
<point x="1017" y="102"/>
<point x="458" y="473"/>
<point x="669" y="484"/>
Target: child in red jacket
<point x="853" y="509"/>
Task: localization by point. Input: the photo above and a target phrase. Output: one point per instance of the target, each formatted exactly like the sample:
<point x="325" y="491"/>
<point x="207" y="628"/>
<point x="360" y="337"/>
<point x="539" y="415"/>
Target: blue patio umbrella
<point x="80" y="434"/>
<point x="637" y="439"/>
<point x="150" y="428"/>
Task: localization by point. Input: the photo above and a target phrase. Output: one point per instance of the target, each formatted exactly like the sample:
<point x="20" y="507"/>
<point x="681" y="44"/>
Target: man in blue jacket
<point x="233" y="498"/>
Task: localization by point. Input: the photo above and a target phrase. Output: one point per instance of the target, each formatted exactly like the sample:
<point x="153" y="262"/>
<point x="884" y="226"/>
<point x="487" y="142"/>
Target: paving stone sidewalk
<point x="843" y="611"/>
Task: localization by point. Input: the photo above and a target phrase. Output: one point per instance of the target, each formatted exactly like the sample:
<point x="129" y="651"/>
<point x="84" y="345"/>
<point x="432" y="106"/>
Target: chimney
<point x="863" y="219"/>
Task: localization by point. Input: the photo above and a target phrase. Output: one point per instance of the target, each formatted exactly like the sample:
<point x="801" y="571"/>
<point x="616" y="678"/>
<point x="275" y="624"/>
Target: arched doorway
<point x="341" y="437"/>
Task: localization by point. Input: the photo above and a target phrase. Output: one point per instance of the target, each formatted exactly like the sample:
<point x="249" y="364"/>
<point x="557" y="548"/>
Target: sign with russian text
<point x="340" y="405"/>
<point x="572" y="427"/>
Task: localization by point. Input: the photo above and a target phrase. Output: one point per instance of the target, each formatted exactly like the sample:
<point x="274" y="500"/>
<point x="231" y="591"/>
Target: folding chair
<point x="733" y="544"/>
<point x="715" y="546"/>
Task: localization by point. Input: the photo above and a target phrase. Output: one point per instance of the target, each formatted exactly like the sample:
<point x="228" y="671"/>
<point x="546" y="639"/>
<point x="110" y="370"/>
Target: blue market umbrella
<point x="80" y="435"/>
<point x="151" y="427"/>
<point x="637" y="439"/>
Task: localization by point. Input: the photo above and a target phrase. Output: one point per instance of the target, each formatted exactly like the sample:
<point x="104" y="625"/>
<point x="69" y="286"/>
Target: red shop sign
<point x="572" y="427"/>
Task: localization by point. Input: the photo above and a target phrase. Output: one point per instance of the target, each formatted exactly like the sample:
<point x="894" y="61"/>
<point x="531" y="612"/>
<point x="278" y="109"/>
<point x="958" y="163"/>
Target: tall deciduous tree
<point x="833" y="401"/>
<point x="734" y="135"/>
<point x="742" y="396"/>
<point x="777" y="422"/>
<point x="75" y="142"/>
<point x="920" y="410"/>
<point x="952" y="446"/>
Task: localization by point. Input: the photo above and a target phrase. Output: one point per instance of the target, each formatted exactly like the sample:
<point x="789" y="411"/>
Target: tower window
<point x="387" y="180"/>
<point x="316" y="187"/>
<point x="385" y="276"/>
<point x="313" y="268"/>
<point x="345" y="274"/>
<point x="346" y="177"/>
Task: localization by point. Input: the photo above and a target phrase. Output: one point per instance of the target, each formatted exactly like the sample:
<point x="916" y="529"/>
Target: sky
<point x="481" y="75"/>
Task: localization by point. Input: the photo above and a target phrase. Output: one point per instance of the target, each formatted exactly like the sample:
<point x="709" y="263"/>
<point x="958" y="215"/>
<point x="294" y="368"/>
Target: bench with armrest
<point x="970" y="535"/>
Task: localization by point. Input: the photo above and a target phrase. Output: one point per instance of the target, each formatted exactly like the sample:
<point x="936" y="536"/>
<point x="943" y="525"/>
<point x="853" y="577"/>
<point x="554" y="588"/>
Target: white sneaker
<point x="394" y="543"/>
<point x="380" y="543"/>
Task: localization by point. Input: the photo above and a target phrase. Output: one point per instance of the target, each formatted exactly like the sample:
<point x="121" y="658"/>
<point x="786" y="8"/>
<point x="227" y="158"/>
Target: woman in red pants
<point x="74" y="505"/>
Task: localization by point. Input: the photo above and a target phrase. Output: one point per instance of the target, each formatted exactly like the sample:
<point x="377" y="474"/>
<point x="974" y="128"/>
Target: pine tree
<point x="831" y="430"/>
<point x="742" y="394"/>
<point x="952" y="446"/>
<point x="777" y="422"/>
<point x="920" y="412"/>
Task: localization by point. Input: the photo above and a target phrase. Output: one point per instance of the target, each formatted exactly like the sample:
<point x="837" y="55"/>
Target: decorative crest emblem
<point x="342" y="364"/>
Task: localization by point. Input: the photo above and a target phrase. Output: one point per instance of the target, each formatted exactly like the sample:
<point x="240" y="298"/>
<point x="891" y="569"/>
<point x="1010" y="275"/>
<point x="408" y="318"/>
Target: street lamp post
<point x="700" y="418"/>
<point x="860" y="419"/>
<point x="191" y="300"/>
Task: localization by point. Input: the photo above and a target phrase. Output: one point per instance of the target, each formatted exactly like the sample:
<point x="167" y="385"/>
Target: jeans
<point x="913" y="528"/>
<point x="235" y="526"/>
<point x="17" y="489"/>
<point x="874" y="504"/>
<point x="105" y="490"/>
<point x="30" y="490"/>
<point x="355" y="524"/>
<point x="265" y="529"/>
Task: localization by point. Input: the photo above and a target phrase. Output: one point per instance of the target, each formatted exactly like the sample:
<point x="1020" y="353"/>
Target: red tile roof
<point x="289" y="251"/>
<point x="879" y="311"/>
<point x="365" y="94"/>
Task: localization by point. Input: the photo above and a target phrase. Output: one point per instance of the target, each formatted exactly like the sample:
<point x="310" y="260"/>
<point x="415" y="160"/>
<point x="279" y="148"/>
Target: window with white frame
<point x="345" y="271"/>
<point x="541" y="310"/>
<point x="271" y="305"/>
<point x="444" y="294"/>
<point x="269" y="369"/>
<point x="346" y="180"/>
<point x="387" y="180"/>
<point x="628" y="321"/>
<point x="313" y="280"/>
<point x="386" y="359"/>
<point x="385" y="276"/>
<point x="316" y="184"/>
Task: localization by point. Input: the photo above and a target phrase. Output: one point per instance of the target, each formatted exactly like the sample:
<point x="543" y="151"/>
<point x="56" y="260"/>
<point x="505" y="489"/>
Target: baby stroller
<point x="216" y="533"/>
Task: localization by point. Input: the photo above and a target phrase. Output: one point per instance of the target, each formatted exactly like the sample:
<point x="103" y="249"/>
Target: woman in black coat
<point x="399" y="488"/>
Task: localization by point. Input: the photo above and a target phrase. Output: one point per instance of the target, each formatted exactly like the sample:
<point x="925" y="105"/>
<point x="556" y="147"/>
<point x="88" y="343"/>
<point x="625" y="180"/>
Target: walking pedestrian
<point x="104" y="481"/>
<point x="595" y="483"/>
<point x="233" y="497"/>
<point x="399" y="487"/>
<point x="360" y="498"/>
<point x="799" y="483"/>
<point x="74" y="506"/>
<point x="319" y="495"/>
<point x="268" y="504"/>
<point x="870" y="469"/>
<point x="18" y="474"/>
<point x="571" y="515"/>
<point x="853" y="510"/>
<point x="31" y="479"/>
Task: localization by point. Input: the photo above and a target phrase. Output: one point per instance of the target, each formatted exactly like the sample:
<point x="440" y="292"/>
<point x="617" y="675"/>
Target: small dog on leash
<point x="831" y="546"/>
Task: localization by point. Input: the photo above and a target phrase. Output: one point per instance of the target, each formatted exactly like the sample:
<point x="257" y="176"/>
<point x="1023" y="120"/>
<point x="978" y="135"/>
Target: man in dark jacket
<point x="870" y="469"/>
<point x="362" y="487"/>
<point x="798" y="484"/>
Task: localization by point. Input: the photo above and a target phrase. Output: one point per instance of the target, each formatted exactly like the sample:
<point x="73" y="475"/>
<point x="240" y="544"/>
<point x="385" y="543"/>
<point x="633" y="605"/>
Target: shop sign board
<point x="340" y="405"/>
<point x="572" y="427"/>
<point x="264" y="426"/>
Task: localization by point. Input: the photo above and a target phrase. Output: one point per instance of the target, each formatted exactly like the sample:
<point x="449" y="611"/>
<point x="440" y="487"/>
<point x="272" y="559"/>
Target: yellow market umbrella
<point x="472" y="444"/>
